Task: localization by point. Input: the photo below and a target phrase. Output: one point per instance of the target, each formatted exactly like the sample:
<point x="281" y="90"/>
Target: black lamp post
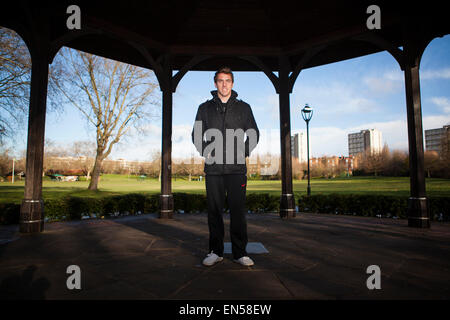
<point x="307" y="113"/>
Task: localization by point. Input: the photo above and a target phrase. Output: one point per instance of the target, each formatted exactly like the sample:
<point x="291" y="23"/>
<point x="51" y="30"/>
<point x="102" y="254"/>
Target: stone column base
<point x="166" y="211"/>
<point x="287" y="206"/>
<point x="31" y="216"/>
<point x="418" y="213"/>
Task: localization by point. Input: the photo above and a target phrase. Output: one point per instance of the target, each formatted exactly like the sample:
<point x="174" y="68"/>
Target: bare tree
<point x="297" y="168"/>
<point x="444" y="156"/>
<point x="82" y="149"/>
<point x="374" y="162"/>
<point x="112" y="96"/>
<point x="155" y="158"/>
<point x="84" y="152"/>
<point x="15" y="72"/>
<point x="431" y="162"/>
<point x="398" y="163"/>
<point x="15" y="79"/>
<point x="5" y="162"/>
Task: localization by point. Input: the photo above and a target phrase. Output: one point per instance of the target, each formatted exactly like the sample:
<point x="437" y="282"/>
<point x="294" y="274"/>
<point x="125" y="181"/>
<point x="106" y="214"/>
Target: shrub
<point x="257" y="202"/>
<point x="151" y="203"/>
<point x="131" y="203"/>
<point x="74" y="208"/>
<point x="370" y="205"/>
<point x="56" y="209"/>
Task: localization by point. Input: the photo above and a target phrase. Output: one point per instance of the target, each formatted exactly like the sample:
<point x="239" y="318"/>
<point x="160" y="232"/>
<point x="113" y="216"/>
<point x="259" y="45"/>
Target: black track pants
<point x="235" y="186"/>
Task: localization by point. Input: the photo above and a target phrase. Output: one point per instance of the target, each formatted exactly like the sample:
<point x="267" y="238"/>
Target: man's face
<point x="224" y="84"/>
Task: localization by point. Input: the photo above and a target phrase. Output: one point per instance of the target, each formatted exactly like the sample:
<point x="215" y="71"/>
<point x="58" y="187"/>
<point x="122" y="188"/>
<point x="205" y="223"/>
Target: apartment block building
<point x="434" y="138"/>
<point x="366" y="140"/>
<point x="299" y="147"/>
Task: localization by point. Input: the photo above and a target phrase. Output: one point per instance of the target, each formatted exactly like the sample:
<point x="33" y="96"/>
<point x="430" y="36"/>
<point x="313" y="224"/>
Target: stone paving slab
<point x="311" y="256"/>
<point x="252" y="248"/>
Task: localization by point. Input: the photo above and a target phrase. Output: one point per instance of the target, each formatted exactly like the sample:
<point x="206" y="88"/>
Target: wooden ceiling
<point x="228" y="31"/>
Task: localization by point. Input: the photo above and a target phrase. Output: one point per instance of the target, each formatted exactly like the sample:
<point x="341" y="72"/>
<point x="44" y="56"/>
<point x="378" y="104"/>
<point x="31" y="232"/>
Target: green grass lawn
<point x="117" y="184"/>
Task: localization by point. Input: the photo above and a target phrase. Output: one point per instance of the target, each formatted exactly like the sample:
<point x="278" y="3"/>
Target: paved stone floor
<point x="310" y="257"/>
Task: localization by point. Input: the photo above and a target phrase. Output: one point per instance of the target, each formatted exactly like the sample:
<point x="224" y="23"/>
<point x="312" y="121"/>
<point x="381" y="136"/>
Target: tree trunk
<point x="93" y="185"/>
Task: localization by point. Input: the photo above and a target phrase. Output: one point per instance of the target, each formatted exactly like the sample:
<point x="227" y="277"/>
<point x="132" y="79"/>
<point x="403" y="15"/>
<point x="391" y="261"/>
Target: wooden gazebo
<point x="279" y="38"/>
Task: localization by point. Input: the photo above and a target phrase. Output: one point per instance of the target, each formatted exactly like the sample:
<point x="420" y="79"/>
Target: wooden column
<point x="287" y="201"/>
<point x="415" y="42"/>
<point x="418" y="214"/>
<point x="166" y="198"/>
<point x="32" y="208"/>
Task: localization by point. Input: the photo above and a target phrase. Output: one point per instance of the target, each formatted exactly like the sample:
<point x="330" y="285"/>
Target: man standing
<point x="227" y="120"/>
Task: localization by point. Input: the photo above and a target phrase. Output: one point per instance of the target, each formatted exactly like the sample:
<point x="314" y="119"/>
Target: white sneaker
<point x="245" y="261"/>
<point x="211" y="259"/>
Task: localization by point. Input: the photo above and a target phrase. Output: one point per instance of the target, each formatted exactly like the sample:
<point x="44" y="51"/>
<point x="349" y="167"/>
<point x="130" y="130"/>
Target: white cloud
<point x="385" y="85"/>
<point x="138" y="146"/>
<point x="332" y="140"/>
<point x="394" y="75"/>
<point x="435" y="74"/>
<point x="142" y="147"/>
<point x="397" y="75"/>
<point x="269" y="142"/>
<point x="336" y="98"/>
<point x="182" y="145"/>
<point x="442" y="102"/>
<point x="394" y="133"/>
<point x="327" y="140"/>
<point x="433" y="122"/>
<point x="392" y="81"/>
<point x="270" y="105"/>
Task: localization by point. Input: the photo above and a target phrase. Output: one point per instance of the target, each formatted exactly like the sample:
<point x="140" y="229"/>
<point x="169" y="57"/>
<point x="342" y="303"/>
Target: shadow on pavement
<point x="23" y="286"/>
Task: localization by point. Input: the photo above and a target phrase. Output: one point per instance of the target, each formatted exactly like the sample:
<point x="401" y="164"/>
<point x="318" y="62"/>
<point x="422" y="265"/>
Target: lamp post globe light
<point x="307" y="113"/>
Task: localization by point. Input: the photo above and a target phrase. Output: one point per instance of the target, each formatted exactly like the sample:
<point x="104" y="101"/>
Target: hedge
<point x="370" y="205"/>
<point x="75" y="208"/>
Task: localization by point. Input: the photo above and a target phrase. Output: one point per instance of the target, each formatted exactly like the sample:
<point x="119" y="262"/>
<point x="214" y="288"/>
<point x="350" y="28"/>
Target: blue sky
<point x="348" y="96"/>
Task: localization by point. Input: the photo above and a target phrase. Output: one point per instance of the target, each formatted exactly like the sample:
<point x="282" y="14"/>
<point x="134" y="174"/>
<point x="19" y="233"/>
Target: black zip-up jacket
<point x="237" y="115"/>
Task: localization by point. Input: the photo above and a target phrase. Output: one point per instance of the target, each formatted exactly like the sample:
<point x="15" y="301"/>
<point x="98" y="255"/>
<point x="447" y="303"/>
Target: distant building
<point x="328" y="161"/>
<point x="435" y="137"/>
<point x="366" y="140"/>
<point x="349" y="163"/>
<point x="299" y="147"/>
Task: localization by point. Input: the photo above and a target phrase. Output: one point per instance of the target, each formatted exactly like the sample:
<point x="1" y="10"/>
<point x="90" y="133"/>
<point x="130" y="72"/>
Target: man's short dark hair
<point x="225" y="70"/>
